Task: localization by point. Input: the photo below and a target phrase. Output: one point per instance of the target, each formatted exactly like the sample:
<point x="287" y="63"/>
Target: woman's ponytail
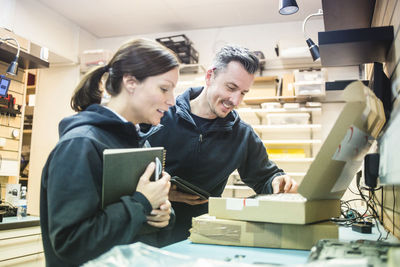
<point x="88" y="90"/>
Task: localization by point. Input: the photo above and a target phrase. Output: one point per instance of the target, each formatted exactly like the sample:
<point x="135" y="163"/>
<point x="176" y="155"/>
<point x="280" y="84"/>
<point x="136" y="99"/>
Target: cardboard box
<point x="287" y="85"/>
<point x="263" y="87"/>
<point x="209" y="230"/>
<point x="329" y="175"/>
<point x="259" y="210"/>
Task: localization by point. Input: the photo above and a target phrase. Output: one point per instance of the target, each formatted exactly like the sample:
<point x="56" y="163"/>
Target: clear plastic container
<point x="309" y="88"/>
<point x="310" y="75"/>
<point x="21" y="210"/>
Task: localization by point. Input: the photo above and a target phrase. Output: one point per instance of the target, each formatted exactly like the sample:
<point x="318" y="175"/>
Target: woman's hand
<point x="155" y="192"/>
<point x="160" y="217"/>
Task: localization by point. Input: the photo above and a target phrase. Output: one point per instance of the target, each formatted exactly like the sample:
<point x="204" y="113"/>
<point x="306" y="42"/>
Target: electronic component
<point x="362" y="227"/>
<point x="375" y="252"/>
<point x="4" y="85"/>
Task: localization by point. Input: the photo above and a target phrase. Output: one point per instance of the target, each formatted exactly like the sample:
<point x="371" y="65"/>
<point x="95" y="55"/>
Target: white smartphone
<point x="158" y="169"/>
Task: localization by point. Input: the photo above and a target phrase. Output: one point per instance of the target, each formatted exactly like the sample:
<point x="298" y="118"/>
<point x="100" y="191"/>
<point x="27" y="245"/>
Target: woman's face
<point x="153" y="96"/>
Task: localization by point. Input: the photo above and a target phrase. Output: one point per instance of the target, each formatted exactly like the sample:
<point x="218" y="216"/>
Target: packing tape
<point x="239" y="203"/>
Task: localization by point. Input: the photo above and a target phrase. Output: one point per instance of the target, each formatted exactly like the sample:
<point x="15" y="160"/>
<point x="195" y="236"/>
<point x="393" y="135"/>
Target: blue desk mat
<point x="240" y="254"/>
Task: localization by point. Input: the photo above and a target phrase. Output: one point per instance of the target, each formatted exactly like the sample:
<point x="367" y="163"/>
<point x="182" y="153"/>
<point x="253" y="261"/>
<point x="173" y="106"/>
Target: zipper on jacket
<point x="200" y="141"/>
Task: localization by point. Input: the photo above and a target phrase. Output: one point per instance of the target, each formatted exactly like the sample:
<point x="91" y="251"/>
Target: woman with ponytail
<point x="139" y="79"/>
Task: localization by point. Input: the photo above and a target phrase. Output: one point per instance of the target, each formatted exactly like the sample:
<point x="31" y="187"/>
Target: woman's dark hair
<point x="140" y="58"/>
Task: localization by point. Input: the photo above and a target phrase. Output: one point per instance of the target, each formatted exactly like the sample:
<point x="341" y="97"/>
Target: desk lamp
<point x="314" y="50"/>
<point x="13" y="68"/>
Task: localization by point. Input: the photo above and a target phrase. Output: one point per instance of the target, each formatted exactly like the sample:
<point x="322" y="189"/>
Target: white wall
<point x="41" y="25"/>
<point x="52" y="104"/>
<point x="262" y="37"/>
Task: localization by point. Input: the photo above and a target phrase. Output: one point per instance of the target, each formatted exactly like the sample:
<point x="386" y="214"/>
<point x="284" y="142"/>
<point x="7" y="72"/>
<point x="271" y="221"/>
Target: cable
<point x="394" y="206"/>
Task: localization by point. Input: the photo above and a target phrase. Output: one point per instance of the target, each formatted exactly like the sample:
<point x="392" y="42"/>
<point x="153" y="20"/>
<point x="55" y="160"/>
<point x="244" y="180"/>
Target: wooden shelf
<point x="260" y="100"/>
<point x="292" y="141"/>
<point x="345" y="14"/>
<point x="264" y="111"/>
<point x="348" y="38"/>
<point x="354" y="46"/>
<point x="25" y="61"/>
<point x="265" y="79"/>
<point x="292" y="160"/>
<point x="288" y="127"/>
<point x="28" y="131"/>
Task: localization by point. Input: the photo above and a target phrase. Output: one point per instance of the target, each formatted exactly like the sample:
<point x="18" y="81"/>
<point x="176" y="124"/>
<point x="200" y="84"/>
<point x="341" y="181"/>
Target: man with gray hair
<point x="206" y="140"/>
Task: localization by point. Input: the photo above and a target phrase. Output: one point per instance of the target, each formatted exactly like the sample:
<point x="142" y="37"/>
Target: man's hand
<point x="177" y="196"/>
<point x="284" y="184"/>
<point x="160" y="217"/>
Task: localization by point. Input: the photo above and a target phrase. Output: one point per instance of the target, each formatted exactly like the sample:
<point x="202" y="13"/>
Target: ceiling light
<point x="288" y="7"/>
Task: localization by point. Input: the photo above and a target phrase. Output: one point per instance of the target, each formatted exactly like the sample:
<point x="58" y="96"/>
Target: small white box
<point x="92" y="58"/>
<point x="292" y="106"/>
<point x="288" y="118"/>
<point x="271" y="105"/>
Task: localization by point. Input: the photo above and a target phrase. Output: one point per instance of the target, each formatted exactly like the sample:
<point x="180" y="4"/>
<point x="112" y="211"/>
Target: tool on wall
<point x="7" y="101"/>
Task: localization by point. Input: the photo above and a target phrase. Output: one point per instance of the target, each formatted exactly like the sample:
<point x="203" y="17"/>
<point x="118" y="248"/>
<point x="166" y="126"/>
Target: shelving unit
<point x="25" y="61"/>
<point x="282" y="99"/>
<point x="31" y="83"/>
<point x="348" y="38"/>
<point x="355" y="46"/>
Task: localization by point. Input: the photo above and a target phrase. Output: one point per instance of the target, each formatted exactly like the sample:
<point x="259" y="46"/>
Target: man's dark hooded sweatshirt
<point x="75" y="228"/>
<point x="206" y="156"/>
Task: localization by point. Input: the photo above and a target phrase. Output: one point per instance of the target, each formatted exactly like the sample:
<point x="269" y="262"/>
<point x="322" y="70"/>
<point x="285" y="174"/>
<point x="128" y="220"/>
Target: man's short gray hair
<point x="236" y="53"/>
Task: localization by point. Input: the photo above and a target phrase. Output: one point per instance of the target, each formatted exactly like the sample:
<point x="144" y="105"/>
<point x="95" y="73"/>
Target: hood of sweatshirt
<point x="98" y="116"/>
<point x="183" y="110"/>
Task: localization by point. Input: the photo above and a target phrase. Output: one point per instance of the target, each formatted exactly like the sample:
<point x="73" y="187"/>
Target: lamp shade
<point x="314" y="49"/>
<point x="288" y="7"/>
<point x="13" y="67"/>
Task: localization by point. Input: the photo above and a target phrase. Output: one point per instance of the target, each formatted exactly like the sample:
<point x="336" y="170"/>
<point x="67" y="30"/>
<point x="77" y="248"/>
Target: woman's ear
<point x="129" y="82"/>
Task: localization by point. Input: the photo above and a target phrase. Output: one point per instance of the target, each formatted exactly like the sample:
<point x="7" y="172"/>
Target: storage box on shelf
<point x="93" y="58"/>
<point x="262" y="87"/>
<point x="299" y="86"/>
<point x="182" y="46"/>
<point x="310" y="82"/>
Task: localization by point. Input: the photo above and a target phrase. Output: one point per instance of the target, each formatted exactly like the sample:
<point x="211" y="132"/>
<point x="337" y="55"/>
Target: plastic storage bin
<point x="309" y="82"/>
<point x="288" y="118"/>
<point x="182" y="46"/>
<point x="249" y="116"/>
<point x="310" y="75"/>
<point x="271" y="105"/>
<point x="309" y="88"/>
